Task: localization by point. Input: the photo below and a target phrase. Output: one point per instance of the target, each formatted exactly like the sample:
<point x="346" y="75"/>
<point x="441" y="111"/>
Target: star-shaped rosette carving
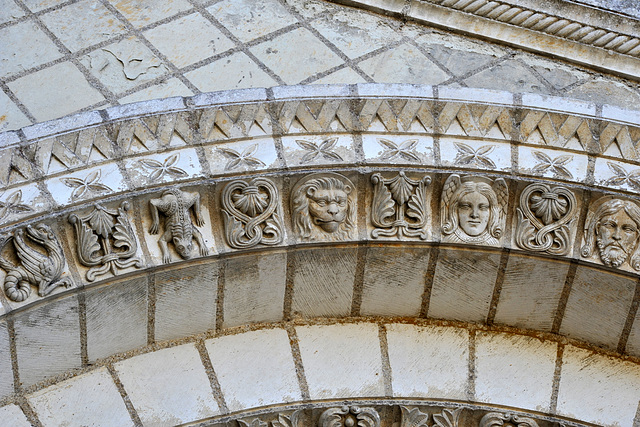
<point x="467" y="155"/>
<point x="13" y="204"/>
<point x="241" y="159"/>
<point x="324" y="150"/>
<point x="405" y="150"/>
<point x="622" y="177"/>
<point x="159" y="170"/>
<point x="86" y="187"/>
<point x="555" y="165"/>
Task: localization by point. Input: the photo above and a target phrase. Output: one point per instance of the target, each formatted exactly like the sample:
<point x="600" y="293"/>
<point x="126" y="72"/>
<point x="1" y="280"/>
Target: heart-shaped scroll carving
<point x="251" y="213"/>
<point x="544" y="216"/>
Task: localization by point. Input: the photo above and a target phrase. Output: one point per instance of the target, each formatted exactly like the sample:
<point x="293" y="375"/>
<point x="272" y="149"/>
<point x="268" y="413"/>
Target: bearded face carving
<point x="614" y="228"/>
<point x="323" y="207"/>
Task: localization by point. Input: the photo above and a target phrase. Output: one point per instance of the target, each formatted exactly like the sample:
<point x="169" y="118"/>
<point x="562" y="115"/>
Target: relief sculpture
<point x="105" y="241"/>
<point x="179" y="230"/>
<point x="544" y="216"/>
<point x="399" y="206"/>
<point x="473" y="210"/>
<point x="349" y="416"/>
<point x="251" y="213"/>
<point x="35" y="268"/>
<point x="496" y="419"/>
<point x="323" y="207"/>
<point x="613" y="228"/>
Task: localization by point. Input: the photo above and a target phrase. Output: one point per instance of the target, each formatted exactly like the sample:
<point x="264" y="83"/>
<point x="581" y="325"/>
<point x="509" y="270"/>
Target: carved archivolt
<point x="612" y="231"/>
<point x="349" y="416"/>
<point x="544" y="216"/>
<point x="252" y="213"/>
<point x="399" y="206"/>
<point x="323" y="207"/>
<point x="495" y="419"/>
<point x="105" y="241"/>
<point x="34" y="268"/>
<point x="473" y="210"/>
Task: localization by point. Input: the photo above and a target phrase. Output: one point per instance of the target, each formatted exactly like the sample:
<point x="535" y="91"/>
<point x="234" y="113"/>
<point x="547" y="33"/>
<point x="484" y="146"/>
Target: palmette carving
<point x="613" y="228"/>
<point x="473" y="210"/>
<point x="35" y="268"/>
<point x="417" y="418"/>
<point x="399" y="206"/>
<point x="105" y="241"/>
<point x="494" y="419"/>
<point x="323" y="207"/>
<point x="282" y="421"/>
<point x="175" y="205"/>
<point x="349" y="416"/>
<point x="544" y="216"/>
<point x="251" y="213"/>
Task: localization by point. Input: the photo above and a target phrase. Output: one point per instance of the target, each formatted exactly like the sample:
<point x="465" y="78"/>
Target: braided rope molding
<point x="549" y="24"/>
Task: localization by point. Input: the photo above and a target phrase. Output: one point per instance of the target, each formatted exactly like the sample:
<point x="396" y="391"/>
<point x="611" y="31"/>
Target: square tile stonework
<point x="323" y="282"/>
<point x="48" y="340"/>
<point x="6" y="371"/>
<point x="185" y="300"/>
<point x="463" y="285"/>
<point x="123" y="326"/>
<point x="254" y="288"/>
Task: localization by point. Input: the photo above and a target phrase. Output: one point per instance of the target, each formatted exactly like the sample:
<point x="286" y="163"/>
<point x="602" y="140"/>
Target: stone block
<point x="248" y="155"/>
<point x="514" y="370"/>
<point x="12" y="118"/>
<point x="171" y="87"/>
<point x="318" y="149"/>
<point x="186" y="300"/>
<point x="48" y="340"/>
<point x="247" y="74"/>
<point x="169" y="386"/>
<point x="12" y="415"/>
<point x="254" y="288"/>
<point x="394" y="281"/>
<point x="412" y="149"/>
<point x="6" y="371"/>
<point x="87" y="184"/>
<point x="25" y="46"/>
<point x="633" y="343"/>
<point x="598" y="306"/>
<point x="247" y="378"/>
<point x="530" y="292"/>
<point x="323" y="282"/>
<point x="145" y="12"/>
<point x="121" y="327"/>
<point x="598" y="389"/>
<point x="10" y="12"/>
<point x="428" y="362"/>
<point x="497" y="155"/>
<point x="89" y="399"/>
<point x="341" y="361"/>
<point x="403" y="64"/>
<point x="574" y="169"/>
<point x="166" y="168"/>
<point x="463" y="285"/>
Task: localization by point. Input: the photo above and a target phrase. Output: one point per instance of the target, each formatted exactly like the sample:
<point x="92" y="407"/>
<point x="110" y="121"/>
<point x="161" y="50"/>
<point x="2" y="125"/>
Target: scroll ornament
<point x="106" y="241"/>
<point x="251" y="213"/>
<point x="544" y="216"/>
<point x="399" y="206"/>
<point x="349" y="416"/>
<point x="35" y="268"/>
<point x="496" y="419"/>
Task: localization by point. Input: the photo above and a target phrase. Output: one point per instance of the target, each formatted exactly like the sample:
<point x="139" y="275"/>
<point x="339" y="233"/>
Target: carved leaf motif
<point x="237" y="159"/>
<point x="447" y="418"/>
<point x="623" y="177"/>
<point x="151" y="164"/>
<point x="101" y="222"/>
<point x="413" y="418"/>
<point x="467" y="155"/>
<point x="254" y="423"/>
<point x="13" y="204"/>
<point x="401" y="188"/>
<point x="548" y="209"/>
<point x="123" y="235"/>
<point x="383" y="204"/>
<point x="284" y="421"/>
<point x="325" y="149"/>
<point x="416" y="207"/>
<point x="392" y="150"/>
<point x="91" y="184"/>
<point x="88" y="243"/>
<point x="542" y="157"/>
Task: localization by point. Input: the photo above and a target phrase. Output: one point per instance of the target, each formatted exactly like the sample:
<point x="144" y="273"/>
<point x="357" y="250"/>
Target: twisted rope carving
<point x="549" y="24"/>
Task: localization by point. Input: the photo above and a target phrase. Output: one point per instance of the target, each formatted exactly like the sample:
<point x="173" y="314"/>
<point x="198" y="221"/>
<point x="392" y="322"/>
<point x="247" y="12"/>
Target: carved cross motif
<point x="349" y="416"/>
<point x="324" y="150"/>
<point x="468" y="156"/>
<point x="251" y="213"/>
<point x="544" y="216"/>
<point x="241" y="159"/>
<point x="399" y="206"/>
<point x="86" y="187"/>
<point x="13" y="204"/>
<point x="105" y="241"/>
<point x="159" y="170"/>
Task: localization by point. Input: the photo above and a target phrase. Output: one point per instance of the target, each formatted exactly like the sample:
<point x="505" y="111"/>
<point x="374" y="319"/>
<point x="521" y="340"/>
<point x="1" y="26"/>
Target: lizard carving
<point x="179" y="230"/>
<point x="35" y="268"/>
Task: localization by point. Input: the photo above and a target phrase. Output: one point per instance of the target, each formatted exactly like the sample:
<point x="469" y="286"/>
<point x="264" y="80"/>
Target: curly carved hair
<point x="302" y="221"/>
<point x="610" y="208"/>
<point x="451" y="219"/>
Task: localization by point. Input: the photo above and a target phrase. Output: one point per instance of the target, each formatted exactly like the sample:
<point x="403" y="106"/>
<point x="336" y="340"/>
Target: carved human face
<point x="474" y="210"/>
<point x="617" y="238"/>
<point x="183" y="247"/>
<point x="328" y="208"/>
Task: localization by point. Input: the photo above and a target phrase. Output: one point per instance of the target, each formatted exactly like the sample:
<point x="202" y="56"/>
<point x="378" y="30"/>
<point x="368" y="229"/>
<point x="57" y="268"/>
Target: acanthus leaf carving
<point x="106" y="241"/>
<point x="35" y="268"/>
<point x="349" y="416"/>
<point x="473" y="209"/>
<point x="544" y="216"/>
<point x="251" y="213"/>
<point x="447" y="418"/>
<point x="399" y="206"/>
<point x="323" y="207"/>
<point x="413" y="418"/>
<point x="254" y="423"/>
<point x="175" y="205"/>
<point x="494" y="419"/>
